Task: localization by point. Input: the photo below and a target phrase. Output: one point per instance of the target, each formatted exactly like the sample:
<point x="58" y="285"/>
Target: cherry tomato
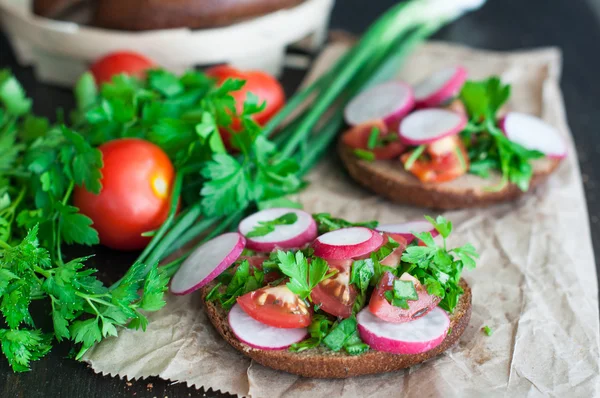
<point x="135" y="198"/>
<point x="357" y="137"/>
<point x="381" y="308"/>
<point x="127" y="62"/>
<point x="261" y="84"/>
<point x="276" y="306"/>
<point x="336" y="295"/>
<point x="443" y="162"/>
<point x="256" y="262"/>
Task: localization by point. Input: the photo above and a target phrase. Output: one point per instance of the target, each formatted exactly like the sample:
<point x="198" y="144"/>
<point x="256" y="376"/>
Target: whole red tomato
<point x="136" y="187"/>
<point x="127" y="62"/>
<point x="261" y="84"/>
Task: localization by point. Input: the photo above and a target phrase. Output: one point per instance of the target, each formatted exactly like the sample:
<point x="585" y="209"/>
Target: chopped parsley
<point x="327" y="223"/>
<point x="369" y="156"/>
<point x="438" y="268"/>
<point x="266" y="227"/>
<point x="487" y="330"/>
<point x="401" y="293"/>
<point x="487" y="146"/>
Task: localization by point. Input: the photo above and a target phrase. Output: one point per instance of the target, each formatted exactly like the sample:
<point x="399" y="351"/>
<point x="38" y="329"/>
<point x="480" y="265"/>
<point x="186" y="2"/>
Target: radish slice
<point x="414" y="337"/>
<point x="298" y="234"/>
<point x="389" y="101"/>
<point x="406" y="229"/>
<point x="207" y="262"/>
<point x="261" y="336"/>
<point x="533" y="133"/>
<point x="428" y="125"/>
<point x="347" y="243"/>
<point x="440" y="87"/>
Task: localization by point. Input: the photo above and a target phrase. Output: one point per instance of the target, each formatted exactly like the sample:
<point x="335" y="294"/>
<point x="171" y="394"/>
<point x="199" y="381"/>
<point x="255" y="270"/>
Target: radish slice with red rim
<point x="440" y="86"/>
<point x="415" y="337"/>
<point x="207" y="262"/>
<point x="534" y="134"/>
<point x="406" y="229"/>
<point x="428" y="125"/>
<point x="290" y="236"/>
<point x="260" y="336"/>
<point x="347" y="243"/>
<point x="389" y="102"/>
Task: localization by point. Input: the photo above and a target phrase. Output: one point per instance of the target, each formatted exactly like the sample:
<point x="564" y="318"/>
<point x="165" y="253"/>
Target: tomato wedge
<point x="381" y="308"/>
<point x="358" y="138"/>
<point x="276" y="306"/>
<point x="340" y="265"/>
<point x="444" y="161"/>
<point x="393" y="259"/>
<point x="336" y="295"/>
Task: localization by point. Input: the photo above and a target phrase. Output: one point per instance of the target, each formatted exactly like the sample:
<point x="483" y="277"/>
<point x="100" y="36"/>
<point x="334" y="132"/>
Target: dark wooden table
<point x="574" y="26"/>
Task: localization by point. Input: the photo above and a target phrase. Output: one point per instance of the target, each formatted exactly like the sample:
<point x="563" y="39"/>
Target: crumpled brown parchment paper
<point x="535" y="283"/>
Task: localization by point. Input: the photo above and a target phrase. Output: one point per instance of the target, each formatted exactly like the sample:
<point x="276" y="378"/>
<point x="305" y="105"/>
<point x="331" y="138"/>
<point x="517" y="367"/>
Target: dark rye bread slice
<point x="195" y="14"/>
<point x="323" y="363"/>
<point x="389" y="179"/>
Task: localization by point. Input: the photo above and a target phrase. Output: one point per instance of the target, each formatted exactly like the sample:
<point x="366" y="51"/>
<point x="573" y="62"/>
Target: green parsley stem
<point x="5" y="245"/>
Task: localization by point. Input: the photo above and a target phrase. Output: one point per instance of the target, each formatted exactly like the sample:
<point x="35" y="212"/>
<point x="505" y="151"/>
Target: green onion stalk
<point x="375" y="58"/>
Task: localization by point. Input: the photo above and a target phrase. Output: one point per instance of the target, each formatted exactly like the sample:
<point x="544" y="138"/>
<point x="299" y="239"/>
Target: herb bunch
<point x="487" y="146"/>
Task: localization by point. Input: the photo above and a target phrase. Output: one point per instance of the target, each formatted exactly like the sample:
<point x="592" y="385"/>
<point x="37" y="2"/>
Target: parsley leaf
<point x="227" y="188"/>
<point x="303" y="277"/>
<point x="401" y="293"/>
<point x="487" y="330"/>
<point x="327" y="223"/>
<point x="487" y="146"/>
<point x="438" y="268"/>
<point x="318" y="329"/>
<point x="266" y="227"/>
<point x="241" y="282"/>
<point x="345" y="335"/>
<point x="22" y="346"/>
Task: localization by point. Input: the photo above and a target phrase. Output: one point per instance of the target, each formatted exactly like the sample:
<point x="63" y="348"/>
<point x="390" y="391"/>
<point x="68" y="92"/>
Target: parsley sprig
<point x="304" y="277"/>
<point x="83" y="309"/>
<point x="488" y="148"/>
<point x="437" y="267"/>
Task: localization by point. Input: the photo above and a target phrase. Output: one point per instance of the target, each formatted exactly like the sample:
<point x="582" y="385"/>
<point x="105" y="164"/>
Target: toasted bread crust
<point x="322" y="363"/>
<point x="390" y="180"/>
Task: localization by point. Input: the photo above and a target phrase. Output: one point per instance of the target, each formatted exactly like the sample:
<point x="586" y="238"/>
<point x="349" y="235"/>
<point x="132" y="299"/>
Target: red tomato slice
<point x="336" y="295"/>
<point x="127" y="62"/>
<point x="257" y="262"/>
<point x="393" y="259"/>
<point x="276" y="306"/>
<point x="136" y="192"/>
<point x="381" y="308"/>
<point x="357" y="137"/>
<point x="447" y="161"/>
<point x="340" y="265"/>
<point x="259" y="83"/>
